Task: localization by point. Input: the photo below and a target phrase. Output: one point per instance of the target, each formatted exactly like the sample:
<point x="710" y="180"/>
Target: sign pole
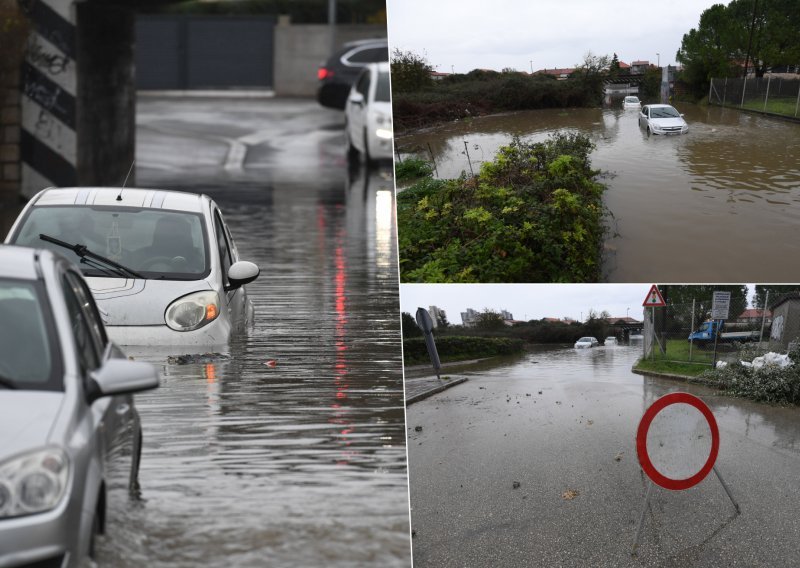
<point x="727" y="490"/>
<point x="641" y="518"/>
<point x="716" y="335"/>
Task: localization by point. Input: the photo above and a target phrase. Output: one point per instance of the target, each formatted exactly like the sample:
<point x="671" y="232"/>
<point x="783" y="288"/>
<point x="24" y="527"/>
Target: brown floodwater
<point x="719" y="204"/>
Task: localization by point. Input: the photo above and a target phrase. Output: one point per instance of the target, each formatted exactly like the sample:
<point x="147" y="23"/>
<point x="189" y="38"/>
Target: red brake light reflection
<point x="323" y="73"/>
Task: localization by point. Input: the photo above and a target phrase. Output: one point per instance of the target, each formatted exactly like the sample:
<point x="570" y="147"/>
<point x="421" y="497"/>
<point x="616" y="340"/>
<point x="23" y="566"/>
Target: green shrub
<point x="533" y="214"/>
<point x="412" y="168"/>
<point x="459" y="348"/>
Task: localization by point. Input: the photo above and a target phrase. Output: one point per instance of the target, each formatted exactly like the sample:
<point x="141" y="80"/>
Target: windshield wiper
<point x="7" y="383"/>
<point x="83" y="252"/>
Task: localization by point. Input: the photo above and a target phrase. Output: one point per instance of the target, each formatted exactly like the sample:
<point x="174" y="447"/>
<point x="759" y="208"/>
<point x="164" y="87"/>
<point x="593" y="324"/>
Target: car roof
<point x="19" y="262"/>
<point x="660" y="106"/>
<point x="131" y="197"/>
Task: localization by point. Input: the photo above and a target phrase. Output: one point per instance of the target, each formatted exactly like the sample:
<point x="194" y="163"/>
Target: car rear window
<point x="369" y="55"/>
<point x="156" y="243"/>
<point x="28" y="350"/>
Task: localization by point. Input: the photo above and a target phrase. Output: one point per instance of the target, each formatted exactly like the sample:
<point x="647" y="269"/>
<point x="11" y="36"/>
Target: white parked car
<point x="631" y="102"/>
<point x="662" y="119"/>
<point x="586" y="342"/>
<point x="70" y="436"/>
<point x="368" y="115"/>
<point x="162" y="265"/>
<point x="610" y="340"/>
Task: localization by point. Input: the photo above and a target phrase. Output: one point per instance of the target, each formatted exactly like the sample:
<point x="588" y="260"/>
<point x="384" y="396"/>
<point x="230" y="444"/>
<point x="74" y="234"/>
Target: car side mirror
<point x="241" y="273"/>
<point x="357" y="98"/>
<point x="121" y="376"/>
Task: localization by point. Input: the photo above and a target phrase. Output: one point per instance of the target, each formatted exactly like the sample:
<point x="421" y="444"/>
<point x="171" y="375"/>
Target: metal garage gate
<point x="204" y="52"/>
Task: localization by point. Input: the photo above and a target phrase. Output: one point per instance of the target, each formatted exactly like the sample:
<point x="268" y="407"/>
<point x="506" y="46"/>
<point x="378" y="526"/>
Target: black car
<point x="338" y="74"/>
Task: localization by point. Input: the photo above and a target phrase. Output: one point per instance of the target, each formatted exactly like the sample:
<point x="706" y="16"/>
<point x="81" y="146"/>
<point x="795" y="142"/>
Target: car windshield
<point x="382" y="90"/>
<point x="631" y="100"/>
<point x="156" y="243"/>
<point x="584" y="339"/>
<point x="27" y="358"/>
<point x="663" y="112"/>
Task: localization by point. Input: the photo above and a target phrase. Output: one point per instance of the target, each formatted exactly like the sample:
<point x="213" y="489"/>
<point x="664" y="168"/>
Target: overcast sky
<point x="526" y="301"/>
<point x="495" y="34"/>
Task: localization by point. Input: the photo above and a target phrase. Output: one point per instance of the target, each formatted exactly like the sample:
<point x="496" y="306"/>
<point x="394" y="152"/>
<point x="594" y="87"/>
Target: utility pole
<point x="750" y="40"/>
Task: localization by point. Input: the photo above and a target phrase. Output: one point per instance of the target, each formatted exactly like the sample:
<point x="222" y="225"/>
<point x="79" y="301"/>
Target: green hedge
<point x="534" y="214"/>
<point x="459" y="348"/>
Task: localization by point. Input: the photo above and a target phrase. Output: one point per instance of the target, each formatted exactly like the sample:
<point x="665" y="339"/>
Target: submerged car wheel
<point x="648" y="131"/>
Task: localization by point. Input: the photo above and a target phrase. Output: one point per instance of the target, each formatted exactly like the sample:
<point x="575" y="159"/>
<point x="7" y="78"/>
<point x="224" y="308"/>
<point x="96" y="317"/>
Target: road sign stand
<point x="655" y="477"/>
<point x="647" y="500"/>
<point x="727" y="490"/>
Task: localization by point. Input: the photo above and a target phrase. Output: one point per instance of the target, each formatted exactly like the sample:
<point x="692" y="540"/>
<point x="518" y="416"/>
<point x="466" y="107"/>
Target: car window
<point x="93" y="318"/>
<point x="156" y="243"/>
<point x="362" y="85"/>
<point x="222" y="246"/>
<point x="85" y="347"/>
<point x="382" y="89"/>
<point x="368" y="55"/>
<point x="28" y="347"/>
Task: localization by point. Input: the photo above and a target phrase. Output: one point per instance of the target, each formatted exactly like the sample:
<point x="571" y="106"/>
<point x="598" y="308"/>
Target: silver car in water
<point x="70" y="437"/>
<point x="162" y="265"/>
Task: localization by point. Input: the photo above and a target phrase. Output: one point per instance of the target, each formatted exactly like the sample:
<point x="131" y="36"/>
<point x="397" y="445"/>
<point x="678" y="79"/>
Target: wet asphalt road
<point x="301" y="464"/>
<point x="555" y="421"/>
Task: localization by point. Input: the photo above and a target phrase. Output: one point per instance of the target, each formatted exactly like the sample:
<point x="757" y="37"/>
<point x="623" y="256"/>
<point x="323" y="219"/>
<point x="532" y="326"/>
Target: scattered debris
<point x="570" y="494"/>
<point x="515" y="485"/>
<point x="527" y="394"/>
<point x="417" y="428"/>
<point x="271" y="362"/>
<point x="540" y="392"/>
<point x="590" y="422"/>
<point x="196" y="358"/>
<point x="618" y="457"/>
<point x="413" y="533"/>
<point x="558" y="402"/>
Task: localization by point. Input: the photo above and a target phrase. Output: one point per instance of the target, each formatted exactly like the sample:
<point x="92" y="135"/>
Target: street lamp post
<point x="658" y="55"/>
<point x="453" y="69"/>
<point x="531" y="66"/>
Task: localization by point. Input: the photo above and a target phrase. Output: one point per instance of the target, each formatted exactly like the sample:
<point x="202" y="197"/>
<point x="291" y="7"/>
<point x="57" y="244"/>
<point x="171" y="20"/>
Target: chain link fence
<point x="772" y="95"/>
<point x="684" y="332"/>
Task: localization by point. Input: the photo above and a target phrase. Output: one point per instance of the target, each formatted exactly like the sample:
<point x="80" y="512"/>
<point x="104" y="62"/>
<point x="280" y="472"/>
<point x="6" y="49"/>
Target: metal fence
<point x="773" y="95"/>
<point x="667" y="331"/>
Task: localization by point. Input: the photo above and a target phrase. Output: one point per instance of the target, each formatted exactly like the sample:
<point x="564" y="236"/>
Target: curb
<point x="435" y="390"/>
<point x="210" y="93"/>
<point x="675" y="377"/>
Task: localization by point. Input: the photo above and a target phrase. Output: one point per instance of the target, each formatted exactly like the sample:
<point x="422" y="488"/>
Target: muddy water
<point x="721" y="203"/>
<point x="303" y="463"/>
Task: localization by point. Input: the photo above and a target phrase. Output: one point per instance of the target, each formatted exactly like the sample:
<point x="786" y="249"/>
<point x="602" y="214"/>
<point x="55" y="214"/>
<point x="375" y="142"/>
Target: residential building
<point x="437" y="315"/>
<point x="469" y="317"/>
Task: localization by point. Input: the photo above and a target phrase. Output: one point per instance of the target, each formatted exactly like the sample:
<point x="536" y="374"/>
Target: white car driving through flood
<point x="586" y="342"/>
<point x="162" y="265"/>
<point x="662" y="119"/>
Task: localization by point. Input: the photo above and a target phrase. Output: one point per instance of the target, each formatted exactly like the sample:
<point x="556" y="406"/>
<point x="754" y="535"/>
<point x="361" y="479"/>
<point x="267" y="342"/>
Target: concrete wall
<point x="299" y="50"/>
<point x="785" y="324"/>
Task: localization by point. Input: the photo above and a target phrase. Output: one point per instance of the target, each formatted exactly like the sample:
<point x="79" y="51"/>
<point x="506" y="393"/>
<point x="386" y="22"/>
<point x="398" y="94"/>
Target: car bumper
<point x="48" y="539"/>
<point x="217" y="333"/>
<point x="380" y="148"/>
<point x="333" y="95"/>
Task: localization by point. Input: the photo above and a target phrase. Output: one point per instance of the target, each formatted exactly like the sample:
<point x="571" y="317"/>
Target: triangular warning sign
<point x="654" y="299"/>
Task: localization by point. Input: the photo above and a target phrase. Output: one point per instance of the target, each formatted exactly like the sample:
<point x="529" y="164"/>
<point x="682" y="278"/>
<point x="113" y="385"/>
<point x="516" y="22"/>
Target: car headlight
<point x="33" y="483"/>
<point x="193" y="311"/>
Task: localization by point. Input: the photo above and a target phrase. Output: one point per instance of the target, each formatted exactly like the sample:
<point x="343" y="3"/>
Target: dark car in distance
<point x="341" y="70"/>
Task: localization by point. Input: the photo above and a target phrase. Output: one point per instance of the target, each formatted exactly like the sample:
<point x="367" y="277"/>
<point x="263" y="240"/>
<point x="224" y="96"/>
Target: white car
<point x="631" y="102"/>
<point x="161" y="265"/>
<point x="610" y="340"/>
<point x="70" y="435"/>
<point x="368" y="115"/>
<point x="586" y="342"/>
<point x="662" y="119"/>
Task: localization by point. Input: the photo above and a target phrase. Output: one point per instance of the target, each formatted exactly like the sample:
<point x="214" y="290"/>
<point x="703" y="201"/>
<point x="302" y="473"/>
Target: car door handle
<point x="123" y="409"/>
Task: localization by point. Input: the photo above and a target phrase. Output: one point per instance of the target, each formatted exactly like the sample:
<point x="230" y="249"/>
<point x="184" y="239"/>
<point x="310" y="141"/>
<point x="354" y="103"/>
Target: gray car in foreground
<point x="70" y="436"/>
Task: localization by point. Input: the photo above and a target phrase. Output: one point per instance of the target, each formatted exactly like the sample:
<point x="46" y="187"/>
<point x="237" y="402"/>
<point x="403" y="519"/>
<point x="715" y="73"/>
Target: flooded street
<point x="700" y="207"/>
<point x="533" y="462"/>
<point x="301" y="463"/>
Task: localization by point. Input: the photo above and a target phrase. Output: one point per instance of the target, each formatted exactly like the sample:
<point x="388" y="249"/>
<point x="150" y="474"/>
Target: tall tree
<point x="410" y="71"/>
<point x="410" y="327"/>
<point x="489" y="320"/>
<point x="775" y="292"/>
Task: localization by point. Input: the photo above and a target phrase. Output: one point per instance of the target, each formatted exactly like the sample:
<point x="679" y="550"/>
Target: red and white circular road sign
<point x="641" y="441"/>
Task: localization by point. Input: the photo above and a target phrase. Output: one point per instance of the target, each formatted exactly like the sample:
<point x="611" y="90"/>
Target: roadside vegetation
<point x="773" y="384"/>
<point x="762" y="34"/>
<point x="533" y="214"/>
<point x="490" y="336"/>
<point x="419" y="101"/>
<point x="412" y="168"/>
